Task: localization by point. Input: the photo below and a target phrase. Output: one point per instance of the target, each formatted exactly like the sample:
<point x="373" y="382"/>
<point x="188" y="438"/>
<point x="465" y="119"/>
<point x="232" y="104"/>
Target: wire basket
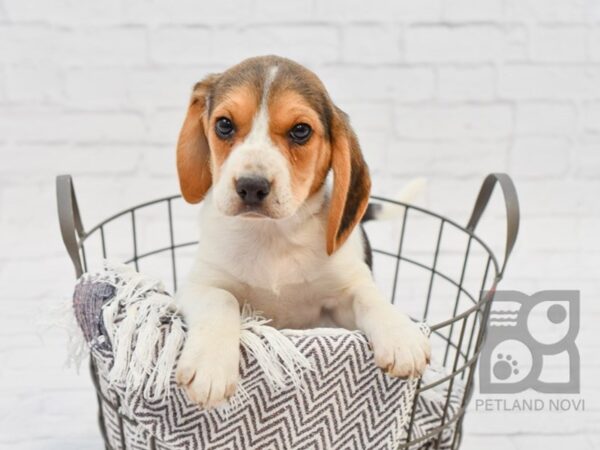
<point x="440" y="271"/>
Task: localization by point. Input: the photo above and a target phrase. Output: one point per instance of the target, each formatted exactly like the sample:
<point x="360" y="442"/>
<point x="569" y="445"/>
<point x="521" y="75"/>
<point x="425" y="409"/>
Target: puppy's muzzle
<point x="252" y="190"/>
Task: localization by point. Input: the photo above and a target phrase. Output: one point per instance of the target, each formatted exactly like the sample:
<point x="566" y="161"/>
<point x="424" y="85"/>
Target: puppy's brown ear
<point x="351" y="183"/>
<point x="193" y="152"/>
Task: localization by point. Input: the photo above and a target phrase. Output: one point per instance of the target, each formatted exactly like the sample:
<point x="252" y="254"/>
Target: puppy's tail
<point x="388" y="211"/>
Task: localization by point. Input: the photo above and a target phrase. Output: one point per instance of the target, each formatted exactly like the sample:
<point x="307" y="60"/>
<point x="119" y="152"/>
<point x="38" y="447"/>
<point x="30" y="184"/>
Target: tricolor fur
<point x="256" y="146"/>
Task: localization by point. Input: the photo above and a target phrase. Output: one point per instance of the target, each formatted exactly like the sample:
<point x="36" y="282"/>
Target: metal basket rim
<point x="471" y="233"/>
<point x="379" y="198"/>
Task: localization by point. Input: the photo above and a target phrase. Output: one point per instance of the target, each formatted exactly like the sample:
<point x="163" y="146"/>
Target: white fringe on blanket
<point x="133" y="320"/>
<point x="60" y="315"/>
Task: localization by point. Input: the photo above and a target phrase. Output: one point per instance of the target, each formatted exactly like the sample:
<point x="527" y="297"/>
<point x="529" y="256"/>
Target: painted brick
<point x="124" y="46"/>
<point x="3" y="83"/>
<point x="28" y="44"/>
<point x="359" y="41"/>
<point x="467" y="11"/>
<point x="379" y="10"/>
<point x="309" y="44"/>
<point x="188" y="12"/>
<point x="539" y="157"/>
<point x="181" y="45"/>
<point x="466" y="83"/>
<point x="586" y="154"/>
<point x="566" y="82"/>
<point x="75" y="159"/>
<point x="163" y="88"/>
<point x="64" y="12"/>
<point x="594" y="42"/>
<point x="23" y="84"/>
<point x="546" y="118"/>
<point x="439" y="122"/>
<point x="548" y="11"/>
<point x="72" y="127"/>
<point x="462" y="44"/>
<point x="591" y="117"/>
<point x="97" y="88"/>
<point x="380" y="84"/>
<point x="551" y="44"/>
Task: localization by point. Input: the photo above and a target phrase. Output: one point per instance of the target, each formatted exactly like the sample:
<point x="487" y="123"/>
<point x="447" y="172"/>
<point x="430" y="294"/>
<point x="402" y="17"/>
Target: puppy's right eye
<point x="300" y="133"/>
<point x="224" y="128"/>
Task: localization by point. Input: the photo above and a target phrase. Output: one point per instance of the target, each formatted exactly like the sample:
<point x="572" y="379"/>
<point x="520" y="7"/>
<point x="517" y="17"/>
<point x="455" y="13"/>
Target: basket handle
<point x="71" y="227"/>
<point x="512" y="209"/>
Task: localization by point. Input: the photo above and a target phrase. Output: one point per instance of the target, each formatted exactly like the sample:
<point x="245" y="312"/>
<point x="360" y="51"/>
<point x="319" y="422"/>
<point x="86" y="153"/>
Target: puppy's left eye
<point x="224" y="128"/>
<point x="300" y="133"/>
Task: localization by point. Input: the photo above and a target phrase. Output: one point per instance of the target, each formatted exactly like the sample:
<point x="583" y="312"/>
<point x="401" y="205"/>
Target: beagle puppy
<point x="256" y="146"/>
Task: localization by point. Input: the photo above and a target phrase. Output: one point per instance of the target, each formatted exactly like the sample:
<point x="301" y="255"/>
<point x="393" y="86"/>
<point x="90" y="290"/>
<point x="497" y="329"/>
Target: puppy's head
<point x="264" y="134"/>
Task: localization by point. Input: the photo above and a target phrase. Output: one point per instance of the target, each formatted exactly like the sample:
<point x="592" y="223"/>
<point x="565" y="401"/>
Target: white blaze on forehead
<point x="259" y="134"/>
<point x="271" y="74"/>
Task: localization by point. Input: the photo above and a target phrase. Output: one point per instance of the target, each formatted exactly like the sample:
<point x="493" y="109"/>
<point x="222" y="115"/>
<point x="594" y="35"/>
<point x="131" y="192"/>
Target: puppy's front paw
<point x="400" y="347"/>
<point x="208" y="373"/>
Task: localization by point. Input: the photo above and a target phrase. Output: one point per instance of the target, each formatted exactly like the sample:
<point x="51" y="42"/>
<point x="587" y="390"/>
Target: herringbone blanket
<point x="329" y="396"/>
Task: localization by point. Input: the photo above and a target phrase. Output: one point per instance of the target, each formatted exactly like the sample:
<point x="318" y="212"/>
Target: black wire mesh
<point x="456" y="305"/>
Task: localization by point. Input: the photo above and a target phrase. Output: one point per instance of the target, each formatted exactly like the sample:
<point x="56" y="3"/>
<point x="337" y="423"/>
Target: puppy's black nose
<point x="252" y="190"/>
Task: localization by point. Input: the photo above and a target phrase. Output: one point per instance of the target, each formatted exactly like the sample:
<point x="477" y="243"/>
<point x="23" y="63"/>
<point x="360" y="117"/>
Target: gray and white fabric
<point x="331" y="396"/>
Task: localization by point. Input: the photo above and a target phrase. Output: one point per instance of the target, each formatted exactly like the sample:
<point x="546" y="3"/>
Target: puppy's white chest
<point x="264" y="254"/>
<point x="272" y="263"/>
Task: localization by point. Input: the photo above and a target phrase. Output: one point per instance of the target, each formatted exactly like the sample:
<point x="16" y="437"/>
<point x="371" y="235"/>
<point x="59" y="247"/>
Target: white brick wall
<point x="447" y="89"/>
